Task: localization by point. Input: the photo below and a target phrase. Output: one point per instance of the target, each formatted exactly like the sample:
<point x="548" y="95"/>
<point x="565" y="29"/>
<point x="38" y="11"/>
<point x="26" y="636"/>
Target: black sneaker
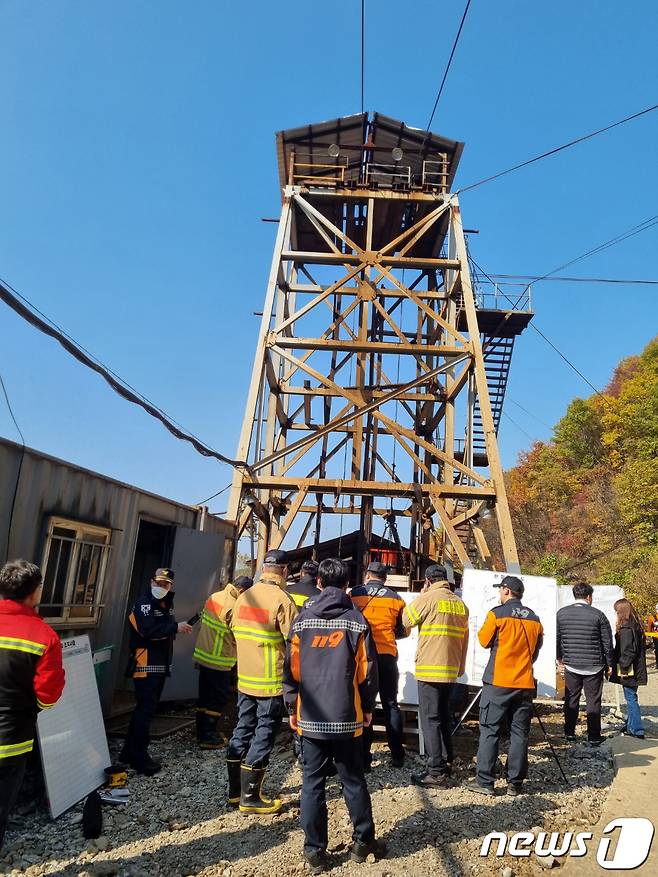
<point x="474" y="786"/>
<point x="597" y="741"/>
<point x="397" y="762"/>
<point x="317" y="861"/>
<point x="149" y="767"/>
<point x="430" y="781"/>
<point x="636" y="736"/>
<point x="514" y="789"/>
<point x="570" y="738"/>
<point x="360" y="851"/>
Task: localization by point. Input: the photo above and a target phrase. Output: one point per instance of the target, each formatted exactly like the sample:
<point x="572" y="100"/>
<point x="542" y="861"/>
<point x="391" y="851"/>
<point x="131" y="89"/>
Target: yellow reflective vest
<point x="215" y="645"/>
<point x="260" y="623"/>
<point x="442" y="620"/>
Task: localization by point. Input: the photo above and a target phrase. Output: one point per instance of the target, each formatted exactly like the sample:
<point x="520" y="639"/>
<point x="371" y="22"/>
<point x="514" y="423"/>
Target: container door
<point x="196" y="560"/>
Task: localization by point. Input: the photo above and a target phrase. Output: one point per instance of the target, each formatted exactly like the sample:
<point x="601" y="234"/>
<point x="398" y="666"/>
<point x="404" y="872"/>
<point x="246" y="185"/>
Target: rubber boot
<point x="251" y="796"/>
<point x="233" y="770"/>
<point x="206" y="731"/>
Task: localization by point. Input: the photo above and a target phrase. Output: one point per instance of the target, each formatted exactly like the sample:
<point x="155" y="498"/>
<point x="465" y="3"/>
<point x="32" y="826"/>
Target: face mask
<point x="159" y="593"/>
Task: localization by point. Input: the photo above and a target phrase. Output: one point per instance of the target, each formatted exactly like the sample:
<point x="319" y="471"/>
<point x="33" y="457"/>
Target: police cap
<point x="164" y="574"/>
<point x="513" y="584"/>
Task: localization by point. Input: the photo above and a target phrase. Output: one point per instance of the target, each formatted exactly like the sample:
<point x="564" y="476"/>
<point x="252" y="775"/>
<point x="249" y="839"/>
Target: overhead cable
<point x="557" y="149"/>
<point x="523" y="279"/>
<point x="363" y="52"/>
<point x="28" y="312"/>
<point x="18" y="472"/>
<point x="448" y="65"/>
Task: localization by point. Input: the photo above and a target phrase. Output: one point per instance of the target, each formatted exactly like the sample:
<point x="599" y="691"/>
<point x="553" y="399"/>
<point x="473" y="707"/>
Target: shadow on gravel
<point x="226" y="845"/>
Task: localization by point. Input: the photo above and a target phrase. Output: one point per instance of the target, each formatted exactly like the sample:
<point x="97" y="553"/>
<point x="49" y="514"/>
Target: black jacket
<point x="584" y="637"/>
<point x="152" y="633"/>
<point x="629" y="652"/>
<point x="303" y="589"/>
<point x="330" y="671"/>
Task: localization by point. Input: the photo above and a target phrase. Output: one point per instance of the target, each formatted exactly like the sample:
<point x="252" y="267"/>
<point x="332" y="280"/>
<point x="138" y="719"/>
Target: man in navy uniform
<point x="153" y="629"/>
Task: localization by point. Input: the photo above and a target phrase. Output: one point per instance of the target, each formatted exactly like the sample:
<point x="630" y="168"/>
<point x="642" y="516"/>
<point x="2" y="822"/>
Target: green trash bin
<point x="101" y="658"/>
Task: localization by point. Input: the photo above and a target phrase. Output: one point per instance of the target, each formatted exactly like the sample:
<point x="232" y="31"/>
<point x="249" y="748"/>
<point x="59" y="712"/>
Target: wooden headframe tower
<point x="380" y="373"/>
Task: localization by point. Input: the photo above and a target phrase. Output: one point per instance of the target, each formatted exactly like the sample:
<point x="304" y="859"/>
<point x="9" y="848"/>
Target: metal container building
<point x="98" y="541"/>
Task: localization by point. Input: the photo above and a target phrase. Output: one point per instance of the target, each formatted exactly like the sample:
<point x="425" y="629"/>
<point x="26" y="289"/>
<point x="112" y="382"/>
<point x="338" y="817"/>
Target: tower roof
<point x="361" y="138"/>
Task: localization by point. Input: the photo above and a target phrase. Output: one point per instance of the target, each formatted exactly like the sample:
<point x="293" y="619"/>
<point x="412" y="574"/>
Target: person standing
<point x="260" y="622"/>
<point x="514" y="635"/>
<point x="382" y="608"/>
<point x="215" y="655"/>
<point x="584" y="647"/>
<point x="630" y="664"/>
<point x="31" y="675"/>
<point x="330" y="650"/>
<point x="442" y="620"/>
<point x="306" y="587"/>
<point x="652" y="632"/>
<point x="153" y="629"/>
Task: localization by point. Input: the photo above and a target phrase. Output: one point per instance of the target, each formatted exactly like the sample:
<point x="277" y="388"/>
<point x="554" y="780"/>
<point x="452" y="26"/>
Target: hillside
<point x="585" y="505"/>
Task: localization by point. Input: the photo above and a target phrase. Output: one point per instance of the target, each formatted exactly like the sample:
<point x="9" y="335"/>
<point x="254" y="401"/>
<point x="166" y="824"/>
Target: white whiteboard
<point x="72" y="735"/>
<point x="480" y="595"/>
<point x="604" y="598"/>
<point x="408" y="687"/>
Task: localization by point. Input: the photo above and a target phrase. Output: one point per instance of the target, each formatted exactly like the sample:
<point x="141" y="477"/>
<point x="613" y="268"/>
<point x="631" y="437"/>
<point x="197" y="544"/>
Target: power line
<point x="520" y="428"/>
<point x="529" y="413"/>
<point x="557" y="149"/>
<point x="363" y="52"/>
<point x="219" y="493"/>
<point x="523" y="279"/>
<point x="29" y="313"/>
<point x="445" y="74"/>
<point x="18" y="473"/>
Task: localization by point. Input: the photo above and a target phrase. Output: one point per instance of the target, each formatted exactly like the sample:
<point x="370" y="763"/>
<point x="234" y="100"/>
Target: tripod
<point x="537" y="716"/>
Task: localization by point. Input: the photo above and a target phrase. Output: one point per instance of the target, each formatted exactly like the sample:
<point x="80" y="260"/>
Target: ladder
<point x="497" y="361"/>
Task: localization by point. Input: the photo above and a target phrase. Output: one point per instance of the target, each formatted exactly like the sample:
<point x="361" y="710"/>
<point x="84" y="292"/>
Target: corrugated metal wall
<point x="53" y="487"/>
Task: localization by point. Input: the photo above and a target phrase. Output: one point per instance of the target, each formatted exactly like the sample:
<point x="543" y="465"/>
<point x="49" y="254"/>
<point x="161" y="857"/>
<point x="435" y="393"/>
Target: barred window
<point x="74" y="567"/>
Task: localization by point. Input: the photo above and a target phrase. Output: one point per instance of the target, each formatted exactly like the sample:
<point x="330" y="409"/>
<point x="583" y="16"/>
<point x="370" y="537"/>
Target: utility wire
<point x="20" y="468"/>
<point x="519" y="427"/>
<point x="632" y="542"/>
<point x="523" y="279"/>
<point x="447" y="70"/>
<point x="557" y="149"/>
<point x="363" y="52"/>
<point x="219" y="493"/>
<point x="29" y="313"/>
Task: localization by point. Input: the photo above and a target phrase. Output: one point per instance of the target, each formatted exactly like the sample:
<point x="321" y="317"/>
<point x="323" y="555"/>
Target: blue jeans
<point x="259" y="719"/>
<point x="633" y="718"/>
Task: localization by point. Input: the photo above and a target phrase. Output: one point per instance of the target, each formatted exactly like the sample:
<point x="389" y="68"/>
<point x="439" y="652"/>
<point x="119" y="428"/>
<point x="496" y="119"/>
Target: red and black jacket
<point x="31" y="675"/>
<point x="330" y="670"/>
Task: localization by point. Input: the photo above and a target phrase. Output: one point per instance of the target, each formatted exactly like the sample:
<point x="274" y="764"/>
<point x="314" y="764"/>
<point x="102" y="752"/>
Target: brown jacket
<point x="215" y="645"/>
<point x="260" y="622"/>
<point x="442" y="619"/>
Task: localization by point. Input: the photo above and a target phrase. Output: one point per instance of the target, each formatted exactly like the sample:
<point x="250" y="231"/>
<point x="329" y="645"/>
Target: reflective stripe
<point x="271" y="687"/>
<point x="45" y="706"/>
<point x="435" y="667"/>
<point x="16" y="748"/>
<point x="299" y="599"/>
<point x="22" y="645"/>
<point x="252" y="633"/>
<point x="413" y="614"/>
<point x="329" y="727"/>
<point x="437" y="627"/>
<point x="217" y="660"/>
<point x="213" y="623"/>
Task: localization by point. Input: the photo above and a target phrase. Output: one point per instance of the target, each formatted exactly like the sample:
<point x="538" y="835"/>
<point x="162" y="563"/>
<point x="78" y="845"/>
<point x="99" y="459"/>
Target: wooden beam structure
<point x="371" y="390"/>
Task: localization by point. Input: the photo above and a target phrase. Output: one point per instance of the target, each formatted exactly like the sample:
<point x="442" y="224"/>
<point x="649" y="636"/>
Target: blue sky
<point x="137" y="158"/>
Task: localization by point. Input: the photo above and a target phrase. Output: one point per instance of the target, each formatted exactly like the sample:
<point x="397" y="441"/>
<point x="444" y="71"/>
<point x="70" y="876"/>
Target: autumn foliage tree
<point x="585" y="505"/>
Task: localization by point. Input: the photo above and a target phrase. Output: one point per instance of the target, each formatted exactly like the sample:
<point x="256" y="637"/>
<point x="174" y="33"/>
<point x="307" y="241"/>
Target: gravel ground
<point x="177" y="823"/>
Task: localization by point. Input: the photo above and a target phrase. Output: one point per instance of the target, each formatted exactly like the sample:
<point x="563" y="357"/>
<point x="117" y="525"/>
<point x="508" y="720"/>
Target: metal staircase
<point x="497" y="359"/>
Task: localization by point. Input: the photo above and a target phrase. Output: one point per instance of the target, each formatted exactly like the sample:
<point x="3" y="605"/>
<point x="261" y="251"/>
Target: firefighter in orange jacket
<point x="31" y="675"/>
<point x="215" y="655"/>
<point x="260" y="623"/>
<point x="382" y="608"/>
<point x="652" y="632"/>
<point x="514" y="634"/>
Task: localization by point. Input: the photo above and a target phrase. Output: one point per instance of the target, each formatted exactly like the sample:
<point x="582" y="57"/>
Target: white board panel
<point x="72" y="735"/>
<point x="480" y="595"/>
<point x="408" y="687"/>
<point x="603" y="598"/>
